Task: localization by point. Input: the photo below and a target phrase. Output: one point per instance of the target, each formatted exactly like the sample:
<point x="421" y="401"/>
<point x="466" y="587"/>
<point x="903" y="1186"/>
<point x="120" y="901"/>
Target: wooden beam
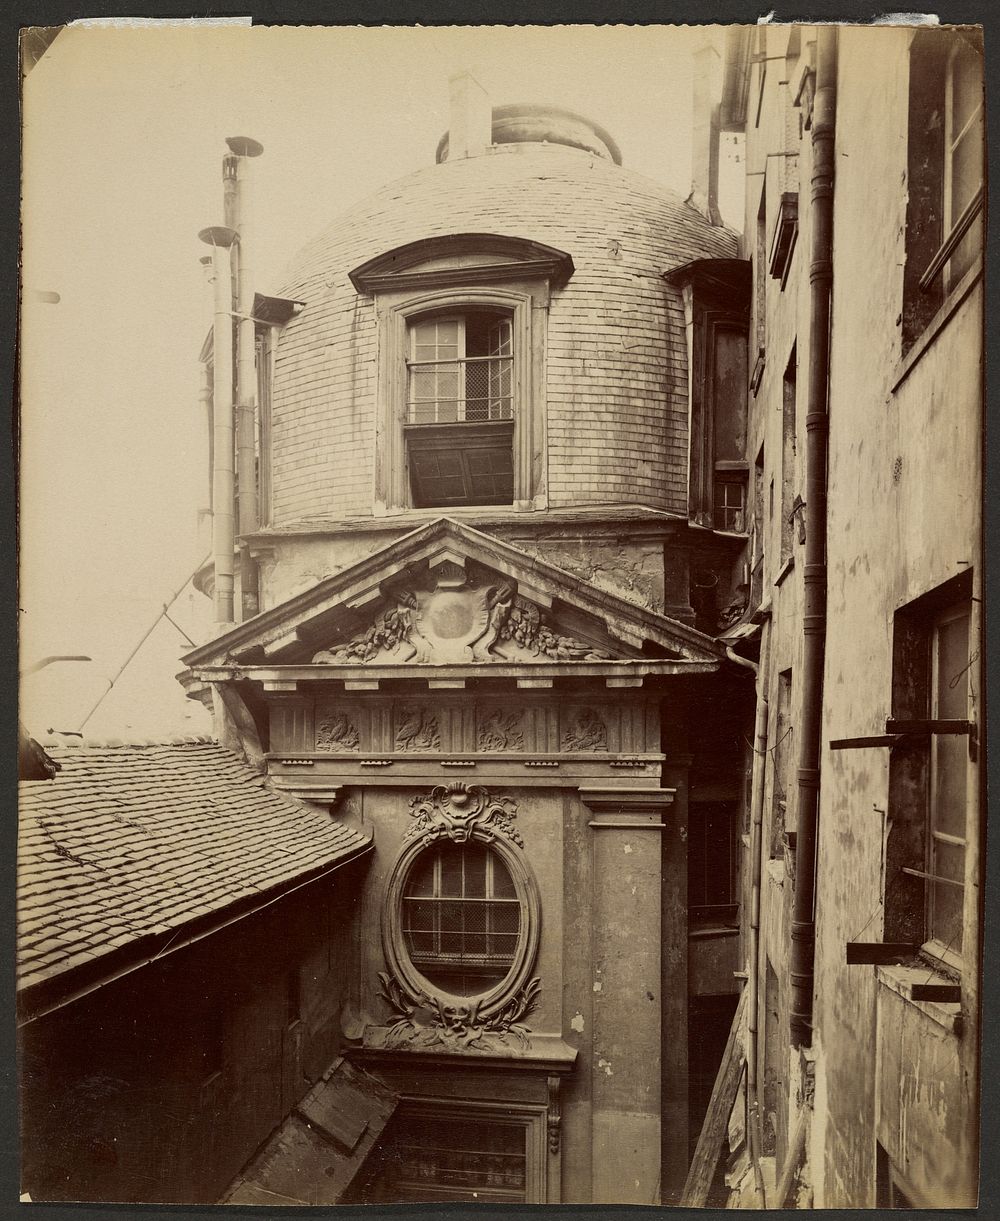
<point x="879" y="953"/>
<point x="925" y="727"/>
<point x="706" y="1155"/>
<point x="944" y="994"/>
<point x="857" y="743"/>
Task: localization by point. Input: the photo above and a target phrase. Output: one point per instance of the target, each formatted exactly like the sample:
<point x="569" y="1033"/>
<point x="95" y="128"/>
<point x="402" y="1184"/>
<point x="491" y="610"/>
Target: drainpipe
<point x="221" y="239"/>
<point x="814" y="593"/>
<point x="757" y="868"/>
<point x="239" y="217"/>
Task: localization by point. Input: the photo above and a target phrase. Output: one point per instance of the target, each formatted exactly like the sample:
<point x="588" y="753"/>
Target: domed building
<point x="490" y="443"/>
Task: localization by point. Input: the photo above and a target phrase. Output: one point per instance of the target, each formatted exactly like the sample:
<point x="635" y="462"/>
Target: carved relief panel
<point x="461" y="725"/>
<point x="459" y="614"/>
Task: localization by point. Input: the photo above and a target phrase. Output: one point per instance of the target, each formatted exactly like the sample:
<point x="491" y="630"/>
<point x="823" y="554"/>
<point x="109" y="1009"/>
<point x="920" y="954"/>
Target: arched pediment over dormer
<point x="454" y="259"/>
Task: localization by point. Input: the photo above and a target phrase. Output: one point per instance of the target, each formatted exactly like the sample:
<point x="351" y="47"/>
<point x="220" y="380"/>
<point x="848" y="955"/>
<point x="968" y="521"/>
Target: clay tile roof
<point x="132" y="840"/>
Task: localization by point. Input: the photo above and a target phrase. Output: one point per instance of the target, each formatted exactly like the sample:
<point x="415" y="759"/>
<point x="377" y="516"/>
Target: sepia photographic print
<point x="501" y="584"/>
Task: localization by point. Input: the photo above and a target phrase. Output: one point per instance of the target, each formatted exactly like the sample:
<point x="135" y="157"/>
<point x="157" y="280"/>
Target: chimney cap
<point x="218" y="235"/>
<point x="243" y="146"/>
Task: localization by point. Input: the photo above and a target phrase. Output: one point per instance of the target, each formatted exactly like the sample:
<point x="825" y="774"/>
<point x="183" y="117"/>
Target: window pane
<point x="503" y="883"/>
<point x="474" y="858"/>
<point x="944" y="900"/>
<point x="950" y="762"/>
<point x="966" y="85"/>
<point x="966" y="169"/>
<point x="451" y="871"/>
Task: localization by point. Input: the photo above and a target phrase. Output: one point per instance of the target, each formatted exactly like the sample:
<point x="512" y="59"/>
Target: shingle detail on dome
<point x="615" y="348"/>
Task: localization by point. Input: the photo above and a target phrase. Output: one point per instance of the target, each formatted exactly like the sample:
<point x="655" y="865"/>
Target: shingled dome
<point x="612" y="350"/>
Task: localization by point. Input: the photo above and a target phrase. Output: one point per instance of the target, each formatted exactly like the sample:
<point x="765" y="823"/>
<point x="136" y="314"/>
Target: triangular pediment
<point x="449" y="595"/>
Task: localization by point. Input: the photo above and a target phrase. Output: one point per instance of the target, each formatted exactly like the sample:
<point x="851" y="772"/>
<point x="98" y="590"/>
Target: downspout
<point x="756" y="866"/>
<point x="815" y="576"/>
<point x="223" y="530"/>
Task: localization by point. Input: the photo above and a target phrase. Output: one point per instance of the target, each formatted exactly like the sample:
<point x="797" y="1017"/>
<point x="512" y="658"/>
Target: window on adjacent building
<point x="944" y="215"/>
<point x="712" y="864"/>
<point x="716" y="294"/>
<point x="930" y="814"/>
<point x="949" y="762"/>
<point x="461" y="917"/>
<point x="788" y="455"/>
<point x="460" y="409"/>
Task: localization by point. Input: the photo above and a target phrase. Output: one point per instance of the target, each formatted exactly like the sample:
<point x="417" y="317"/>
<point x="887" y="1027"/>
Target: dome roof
<point x="615" y="342"/>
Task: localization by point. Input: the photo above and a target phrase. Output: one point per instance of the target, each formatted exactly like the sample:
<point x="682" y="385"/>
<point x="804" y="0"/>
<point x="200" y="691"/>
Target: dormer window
<point x="460" y="409"/>
<point x="461" y="398"/>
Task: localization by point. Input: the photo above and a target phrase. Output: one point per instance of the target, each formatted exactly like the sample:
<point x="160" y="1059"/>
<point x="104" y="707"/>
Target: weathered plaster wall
<point x="903" y="508"/>
<point x="904" y="495"/>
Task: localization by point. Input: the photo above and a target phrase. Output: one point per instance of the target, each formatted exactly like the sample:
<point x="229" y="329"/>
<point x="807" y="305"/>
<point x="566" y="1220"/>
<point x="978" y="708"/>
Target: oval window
<point x="461" y="918"/>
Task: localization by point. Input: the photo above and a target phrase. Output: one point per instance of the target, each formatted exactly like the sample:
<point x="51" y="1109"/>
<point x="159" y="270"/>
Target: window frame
<point x="933" y="945"/>
<point x="438" y="901"/>
<point x="397" y="954"/>
<point x="541" y="1187"/>
<point x="909" y="858"/>
<point x="932" y="234"/>
<point x="396" y="312"/>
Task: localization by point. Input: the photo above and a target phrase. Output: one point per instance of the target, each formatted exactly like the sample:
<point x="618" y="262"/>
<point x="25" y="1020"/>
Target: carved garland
<point x="422" y="1015"/>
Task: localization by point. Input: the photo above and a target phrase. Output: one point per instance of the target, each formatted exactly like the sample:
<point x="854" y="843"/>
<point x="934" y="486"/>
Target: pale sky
<point x="124" y="133"/>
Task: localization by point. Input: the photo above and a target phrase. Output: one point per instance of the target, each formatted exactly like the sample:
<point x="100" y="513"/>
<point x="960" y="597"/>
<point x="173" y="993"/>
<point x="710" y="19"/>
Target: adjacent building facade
<point x="864" y="233"/>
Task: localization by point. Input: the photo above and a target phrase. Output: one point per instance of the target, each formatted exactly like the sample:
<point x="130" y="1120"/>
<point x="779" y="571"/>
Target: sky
<point x="123" y="137"/>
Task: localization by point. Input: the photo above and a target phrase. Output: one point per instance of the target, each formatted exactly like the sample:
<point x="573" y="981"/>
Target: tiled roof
<point x="129" y="841"/>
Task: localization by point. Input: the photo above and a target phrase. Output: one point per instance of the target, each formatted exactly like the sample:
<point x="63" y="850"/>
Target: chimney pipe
<point x="470" y="131"/>
<point x="239" y="217"/>
<point x="705" y="134"/>
<point x="221" y="238"/>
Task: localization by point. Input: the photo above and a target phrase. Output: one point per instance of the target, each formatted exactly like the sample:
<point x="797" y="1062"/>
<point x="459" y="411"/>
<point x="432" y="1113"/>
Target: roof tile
<point x="130" y="840"/>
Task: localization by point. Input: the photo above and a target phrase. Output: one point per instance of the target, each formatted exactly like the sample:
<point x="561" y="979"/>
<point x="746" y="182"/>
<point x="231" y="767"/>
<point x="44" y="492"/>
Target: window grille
<point x="461" y="917"/>
<point x="460" y="370"/>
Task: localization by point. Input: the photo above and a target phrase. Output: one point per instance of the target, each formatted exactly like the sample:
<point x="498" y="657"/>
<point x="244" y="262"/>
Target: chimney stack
<point x="705" y="134"/>
<point x="470" y="132"/>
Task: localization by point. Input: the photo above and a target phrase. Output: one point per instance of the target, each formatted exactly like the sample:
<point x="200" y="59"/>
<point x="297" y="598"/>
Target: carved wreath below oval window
<point x="425" y="1013"/>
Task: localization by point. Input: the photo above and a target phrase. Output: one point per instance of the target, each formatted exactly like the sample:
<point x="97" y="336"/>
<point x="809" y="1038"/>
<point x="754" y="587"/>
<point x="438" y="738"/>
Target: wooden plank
<point x="706" y="1155"/>
<point x="944" y="994"/>
<point x="857" y="743"/>
<point x="879" y="953"/>
<point x="925" y="727"/>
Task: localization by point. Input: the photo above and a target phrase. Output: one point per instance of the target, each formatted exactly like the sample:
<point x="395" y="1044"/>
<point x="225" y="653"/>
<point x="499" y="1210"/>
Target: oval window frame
<point x="417" y="986"/>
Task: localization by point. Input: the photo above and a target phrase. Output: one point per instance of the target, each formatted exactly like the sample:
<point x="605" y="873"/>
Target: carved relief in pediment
<point x="465" y="617"/>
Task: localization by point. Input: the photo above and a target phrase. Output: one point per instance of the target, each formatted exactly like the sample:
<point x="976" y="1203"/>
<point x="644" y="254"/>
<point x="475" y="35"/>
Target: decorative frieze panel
<point x="586" y="731"/>
<point x="461" y="727"/>
<point x="416" y="728"/>
<point x="336" y="732"/>
<point x="500" y="729"/>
